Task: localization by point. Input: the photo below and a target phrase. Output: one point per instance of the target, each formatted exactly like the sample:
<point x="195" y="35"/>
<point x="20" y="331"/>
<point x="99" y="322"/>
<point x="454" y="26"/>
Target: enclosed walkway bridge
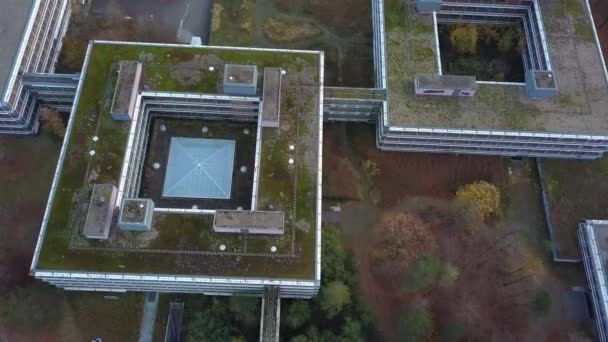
<point x="271" y="315"/>
<point x="352" y="104"/>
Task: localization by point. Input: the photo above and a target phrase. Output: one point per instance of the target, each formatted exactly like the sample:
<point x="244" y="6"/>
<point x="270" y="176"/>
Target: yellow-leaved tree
<point x="483" y="196"/>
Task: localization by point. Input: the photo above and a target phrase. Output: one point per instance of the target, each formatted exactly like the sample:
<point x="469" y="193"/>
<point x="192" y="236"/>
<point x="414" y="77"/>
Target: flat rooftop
<point x="13" y="20"/>
<point x="581" y="106"/>
<point x="185" y="243"/>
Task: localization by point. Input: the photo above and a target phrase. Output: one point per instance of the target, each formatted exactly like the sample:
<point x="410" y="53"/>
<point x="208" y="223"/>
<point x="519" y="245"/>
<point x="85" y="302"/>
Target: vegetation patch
<point x="491" y="53"/>
<point x="285" y="31"/>
<point x="233" y="23"/>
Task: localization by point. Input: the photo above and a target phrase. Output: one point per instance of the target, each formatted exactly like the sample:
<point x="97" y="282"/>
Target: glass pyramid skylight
<point x="199" y="168"/>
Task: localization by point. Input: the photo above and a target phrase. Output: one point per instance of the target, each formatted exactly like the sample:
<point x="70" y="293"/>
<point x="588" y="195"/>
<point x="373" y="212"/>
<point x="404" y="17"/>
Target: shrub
<point x="370" y="168"/>
<point x="422" y="273"/>
<point x="483" y="196"/>
<point x="334" y="297"/>
<point x="416" y="325"/>
<point x="53" y="122"/>
<point x="449" y="275"/>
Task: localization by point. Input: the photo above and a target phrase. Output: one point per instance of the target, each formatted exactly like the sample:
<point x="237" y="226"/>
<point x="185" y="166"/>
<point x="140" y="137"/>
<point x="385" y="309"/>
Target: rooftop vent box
<point x="101" y="211"/>
<point x="428" y="6"/>
<point x="127" y="88"/>
<point x="249" y="222"/>
<point x="136" y="214"/>
<point x="240" y="80"/>
<point x="540" y="84"/>
<point x="445" y="85"/>
<point x="271" y="98"/>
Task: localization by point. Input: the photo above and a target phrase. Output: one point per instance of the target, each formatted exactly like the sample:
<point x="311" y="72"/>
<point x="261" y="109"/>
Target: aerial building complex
<point x="197" y="169"/>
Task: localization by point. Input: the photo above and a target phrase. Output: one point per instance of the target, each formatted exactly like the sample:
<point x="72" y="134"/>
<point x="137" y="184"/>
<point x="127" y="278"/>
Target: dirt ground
<point x="490" y="296"/>
<point x="421" y="174"/>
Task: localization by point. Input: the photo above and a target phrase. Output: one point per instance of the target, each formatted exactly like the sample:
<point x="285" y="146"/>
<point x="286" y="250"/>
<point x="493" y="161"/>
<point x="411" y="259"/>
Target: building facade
<point x="35" y="53"/>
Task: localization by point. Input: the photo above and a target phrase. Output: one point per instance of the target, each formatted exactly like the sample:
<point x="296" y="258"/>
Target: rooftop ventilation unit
<point x="136" y="214"/>
<point x="240" y="80"/>
<point x="540" y="84"/>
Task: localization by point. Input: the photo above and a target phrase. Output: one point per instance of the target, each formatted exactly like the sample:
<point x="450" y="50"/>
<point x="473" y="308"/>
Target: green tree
<point x="298" y="313"/>
<point x="208" y="326"/>
<point x="422" y="274"/>
<point x="351" y="331"/>
<point x="505" y="42"/>
<point x="416" y="324"/>
<point x="333" y="259"/>
<point x="33" y="307"/>
<point x="464" y="39"/>
<point x="541" y="302"/>
<point x="334" y="297"/>
<point x="244" y="309"/>
<point x="313" y="335"/>
<point x="483" y="196"/>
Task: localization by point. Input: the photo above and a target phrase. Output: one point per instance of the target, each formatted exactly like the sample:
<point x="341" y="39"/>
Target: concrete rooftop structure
<point x="572" y="122"/>
<point x="180" y="252"/>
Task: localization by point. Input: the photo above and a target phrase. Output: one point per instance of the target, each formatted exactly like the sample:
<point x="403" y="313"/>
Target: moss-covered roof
<point x="580" y="107"/>
<point x="185" y="243"/>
